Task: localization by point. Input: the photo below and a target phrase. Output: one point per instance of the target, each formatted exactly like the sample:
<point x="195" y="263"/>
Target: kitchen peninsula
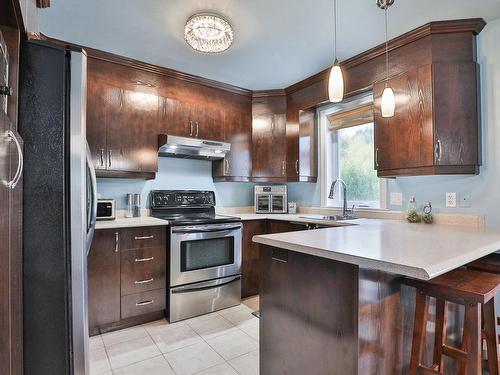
<point x="334" y="298"/>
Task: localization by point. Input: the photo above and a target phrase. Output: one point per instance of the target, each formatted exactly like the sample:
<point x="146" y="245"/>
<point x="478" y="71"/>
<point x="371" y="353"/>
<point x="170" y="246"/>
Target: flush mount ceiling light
<point x="336" y="79"/>
<point x="208" y="33"/>
<point x="388" y="104"/>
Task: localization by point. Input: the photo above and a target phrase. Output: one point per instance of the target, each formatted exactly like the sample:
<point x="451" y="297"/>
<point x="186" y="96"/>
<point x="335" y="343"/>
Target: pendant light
<point x="388" y="104"/>
<point x="336" y="80"/>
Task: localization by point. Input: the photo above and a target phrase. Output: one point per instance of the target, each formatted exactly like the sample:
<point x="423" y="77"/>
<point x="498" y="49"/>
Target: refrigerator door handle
<point x="92" y="214"/>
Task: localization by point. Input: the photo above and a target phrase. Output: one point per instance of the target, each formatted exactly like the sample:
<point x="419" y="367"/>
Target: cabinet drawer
<point x="142" y="237"/>
<point x="143" y="303"/>
<point x="142" y="270"/>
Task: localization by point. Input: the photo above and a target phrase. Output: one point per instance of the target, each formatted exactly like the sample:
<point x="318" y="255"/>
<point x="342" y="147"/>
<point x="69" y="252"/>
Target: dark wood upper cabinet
<point x="175" y="118"/>
<point x="237" y="130"/>
<point x="122" y="130"/>
<point x="104" y="279"/>
<point x="302" y="153"/>
<point x="269" y="137"/>
<point x="435" y="128"/>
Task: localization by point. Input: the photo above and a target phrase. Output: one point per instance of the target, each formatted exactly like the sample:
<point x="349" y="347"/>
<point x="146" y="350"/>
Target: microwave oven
<point x="271" y="199"/>
<point x="106" y="209"/>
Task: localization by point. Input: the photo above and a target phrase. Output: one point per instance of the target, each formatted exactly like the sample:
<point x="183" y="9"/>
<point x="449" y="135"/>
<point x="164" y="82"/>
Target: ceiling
<point x="276" y="43"/>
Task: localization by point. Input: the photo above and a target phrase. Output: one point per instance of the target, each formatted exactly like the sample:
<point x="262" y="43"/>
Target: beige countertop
<point x="152" y="221"/>
<point x="143" y="221"/>
<point x="416" y="250"/>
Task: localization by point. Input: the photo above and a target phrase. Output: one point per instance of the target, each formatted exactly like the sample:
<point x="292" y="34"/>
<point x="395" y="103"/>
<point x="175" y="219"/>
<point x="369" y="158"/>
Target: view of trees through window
<point x="356" y="165"/>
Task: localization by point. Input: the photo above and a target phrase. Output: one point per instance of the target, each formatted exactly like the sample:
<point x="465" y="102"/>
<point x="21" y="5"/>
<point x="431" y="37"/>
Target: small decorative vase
<point x="427" y="216"/>
<point x="413" y="216"/>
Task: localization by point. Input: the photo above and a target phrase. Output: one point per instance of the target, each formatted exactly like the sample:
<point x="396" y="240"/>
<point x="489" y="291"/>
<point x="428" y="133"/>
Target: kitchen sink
<point x="331" y="218"/>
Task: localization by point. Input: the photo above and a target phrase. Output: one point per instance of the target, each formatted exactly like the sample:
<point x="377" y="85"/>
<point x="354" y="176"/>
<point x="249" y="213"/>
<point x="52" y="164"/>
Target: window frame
<point x="327" y="175"/>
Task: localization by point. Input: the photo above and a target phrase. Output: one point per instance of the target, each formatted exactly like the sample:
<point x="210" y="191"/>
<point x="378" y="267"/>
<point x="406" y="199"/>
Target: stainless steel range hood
<point x="191" y="148"/>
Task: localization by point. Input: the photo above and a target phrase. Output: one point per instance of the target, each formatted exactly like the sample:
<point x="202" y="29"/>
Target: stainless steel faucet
<point x="332" y="191"/>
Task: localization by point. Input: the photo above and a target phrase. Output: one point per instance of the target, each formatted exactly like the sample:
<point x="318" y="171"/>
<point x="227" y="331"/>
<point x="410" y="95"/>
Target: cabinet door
<point x="406" y="139"/>
<point x="104" y="278"/>
<point x="175" y="118"/>
<point x="250" y="272"/>
<point x="101" y="98"/>
<point x="301" y="155"/>
<point x="237" y="132"/>
<point x="269" y="137"/>
<point x="209" y="122"/>
<point x="139" y="140"/>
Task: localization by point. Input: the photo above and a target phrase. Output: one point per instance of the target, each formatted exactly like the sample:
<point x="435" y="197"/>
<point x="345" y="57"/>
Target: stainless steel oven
<point x="205" y="268"/>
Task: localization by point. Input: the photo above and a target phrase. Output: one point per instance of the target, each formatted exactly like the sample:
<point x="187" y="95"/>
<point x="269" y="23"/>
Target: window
<point x="347" y="150"/>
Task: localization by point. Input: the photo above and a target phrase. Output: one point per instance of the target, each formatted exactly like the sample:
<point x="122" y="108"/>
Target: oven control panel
<point x="182" y="198"/>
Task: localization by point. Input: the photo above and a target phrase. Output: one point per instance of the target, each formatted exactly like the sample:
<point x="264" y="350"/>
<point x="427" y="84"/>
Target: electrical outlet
<point x="396" y="199"/>
<point x="451" y="199"/>
<point x="464" y="200"/>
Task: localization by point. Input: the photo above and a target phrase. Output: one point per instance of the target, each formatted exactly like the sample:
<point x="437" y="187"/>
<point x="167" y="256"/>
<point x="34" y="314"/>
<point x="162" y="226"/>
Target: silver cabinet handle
<point x="102" y="158"/>
<point x="20" y="161"/>
<point x="376" y="157"/>
<point x="297" y="166"/>
<point x="144" y="303"/>
<point x="190" y="128"/>
<point x="110" y="158"/>
<point x="226" y="163"/>
<point x="283" y="168"/>
<point x="438" y="151"/>
<point x="197" y="128"/>
<point x="144" y="281"/>
<point x="138" y="260"/>
<point x="138" y="238"/>
<point x="117" y="242"/>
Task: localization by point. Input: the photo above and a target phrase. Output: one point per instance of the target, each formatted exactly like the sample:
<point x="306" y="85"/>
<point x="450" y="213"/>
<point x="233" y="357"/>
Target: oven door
<point x="262" y="203"/>
<point x="204" y="252"/>
<point x="278" y="204"/>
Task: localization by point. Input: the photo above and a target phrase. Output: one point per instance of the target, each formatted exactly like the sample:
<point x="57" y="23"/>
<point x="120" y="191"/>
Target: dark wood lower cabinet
<point x="104" y="279"/>
<point x="320" y="316"/>
<point x="308" y="311"/>
<point x="250" y="273"/>
<point x="126" y="277"/>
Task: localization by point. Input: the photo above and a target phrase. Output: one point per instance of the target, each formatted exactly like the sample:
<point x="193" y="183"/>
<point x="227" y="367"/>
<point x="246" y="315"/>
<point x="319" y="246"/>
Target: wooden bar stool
<point x="476" y="291"/>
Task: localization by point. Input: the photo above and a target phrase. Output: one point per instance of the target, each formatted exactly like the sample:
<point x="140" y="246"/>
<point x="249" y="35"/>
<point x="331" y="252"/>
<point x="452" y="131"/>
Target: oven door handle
<point x="201" y="230"/>
<point x="204" y="286"/>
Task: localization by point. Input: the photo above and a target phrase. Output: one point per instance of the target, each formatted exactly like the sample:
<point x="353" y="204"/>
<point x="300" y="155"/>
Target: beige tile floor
<point x="221" y="343"/>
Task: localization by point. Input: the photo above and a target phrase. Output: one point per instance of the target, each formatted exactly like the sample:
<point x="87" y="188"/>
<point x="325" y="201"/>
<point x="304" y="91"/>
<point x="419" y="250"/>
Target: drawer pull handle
<point x="144" y="281"/>
<point x="144" y="303"/>
<point x="279" y="260"/>
<point x="138" y="238"/>
<point x="144" y="259"/>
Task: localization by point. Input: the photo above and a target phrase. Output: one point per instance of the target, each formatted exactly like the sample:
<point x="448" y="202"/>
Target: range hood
<point x="191" y="148"/>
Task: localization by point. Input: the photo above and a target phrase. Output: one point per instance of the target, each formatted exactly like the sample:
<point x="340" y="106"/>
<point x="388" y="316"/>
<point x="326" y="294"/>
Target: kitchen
<point x="244" y="205"/>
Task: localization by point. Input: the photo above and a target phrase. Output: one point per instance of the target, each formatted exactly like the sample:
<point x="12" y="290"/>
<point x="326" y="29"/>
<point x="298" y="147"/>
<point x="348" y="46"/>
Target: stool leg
<point x="472" y="338"/>
<point x="490" y="328"/>
<point x="440" y="336"/>
<point x="419" y="329"/>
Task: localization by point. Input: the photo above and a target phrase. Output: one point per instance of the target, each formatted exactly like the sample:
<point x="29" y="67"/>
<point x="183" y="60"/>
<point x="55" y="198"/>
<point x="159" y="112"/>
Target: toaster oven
<point x="271" y="199"/>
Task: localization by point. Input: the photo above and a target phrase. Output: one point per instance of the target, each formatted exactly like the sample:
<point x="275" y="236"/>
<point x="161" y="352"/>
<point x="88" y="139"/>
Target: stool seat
<point x="460" y="286"/>
<point x="476" y="291"/>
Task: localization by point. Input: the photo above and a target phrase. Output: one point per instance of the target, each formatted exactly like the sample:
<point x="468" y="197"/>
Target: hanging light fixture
<point x="208" y="33"/>
<point x="388" y="104"/>
<point x="336" y="80"/>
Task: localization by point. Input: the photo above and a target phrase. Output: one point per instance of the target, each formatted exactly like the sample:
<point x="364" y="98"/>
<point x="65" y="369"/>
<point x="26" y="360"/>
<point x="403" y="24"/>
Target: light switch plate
<point x="396" y="198"/>
<point x="451" y="199"/>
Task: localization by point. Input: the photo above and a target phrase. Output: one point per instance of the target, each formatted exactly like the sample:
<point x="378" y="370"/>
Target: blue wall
<point x="483" y="189"/>
<point x="178" y="174"/>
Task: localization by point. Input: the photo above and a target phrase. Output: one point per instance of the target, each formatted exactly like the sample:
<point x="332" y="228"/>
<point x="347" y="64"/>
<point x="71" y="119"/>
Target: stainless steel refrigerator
<point x="59" y="197"/>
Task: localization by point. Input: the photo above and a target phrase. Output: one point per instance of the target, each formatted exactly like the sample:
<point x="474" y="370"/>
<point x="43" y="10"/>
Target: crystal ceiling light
<point x="208" y="33"/>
